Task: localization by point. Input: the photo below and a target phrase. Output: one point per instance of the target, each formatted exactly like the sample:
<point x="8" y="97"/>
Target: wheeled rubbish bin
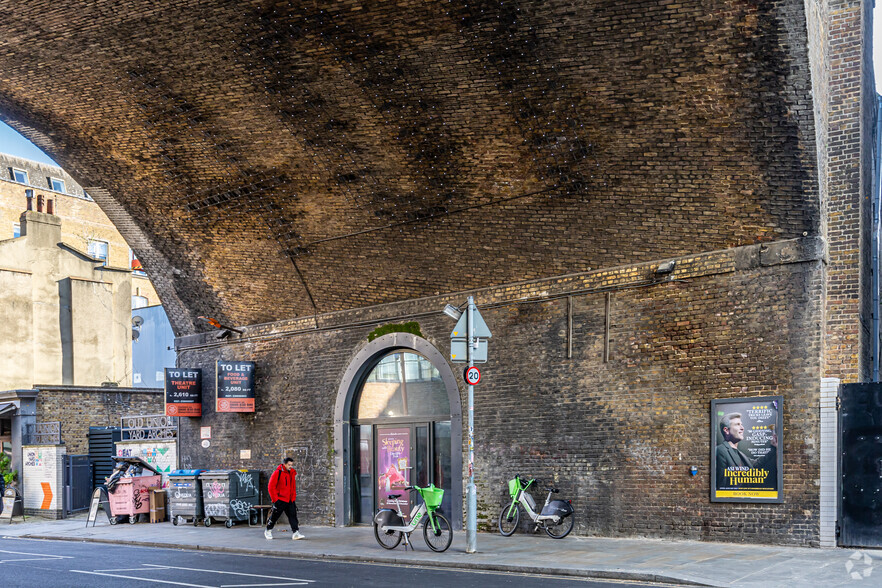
<point x="228" y="495"/>
<point x="185" y="497"/>
<point x="128" y="488"/>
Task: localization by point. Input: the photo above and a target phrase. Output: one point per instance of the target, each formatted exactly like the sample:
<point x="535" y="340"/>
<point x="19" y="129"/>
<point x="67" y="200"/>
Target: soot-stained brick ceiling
<point x="278" y="159"/>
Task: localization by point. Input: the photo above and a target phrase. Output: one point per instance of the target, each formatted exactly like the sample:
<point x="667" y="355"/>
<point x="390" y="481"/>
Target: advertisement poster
<point x="393" y="465"/>
<point x="746" y="450"/>
<point x="183" y="392"/>
<point x="234" y="386"/>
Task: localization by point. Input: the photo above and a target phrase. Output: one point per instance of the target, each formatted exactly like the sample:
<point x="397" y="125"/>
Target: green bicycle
<point x="389" y="525"/>
<point x="556" y="518"/>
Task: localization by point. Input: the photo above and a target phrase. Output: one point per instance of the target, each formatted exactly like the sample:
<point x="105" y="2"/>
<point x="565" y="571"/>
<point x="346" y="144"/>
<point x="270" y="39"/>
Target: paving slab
<point x="648" y="560"/>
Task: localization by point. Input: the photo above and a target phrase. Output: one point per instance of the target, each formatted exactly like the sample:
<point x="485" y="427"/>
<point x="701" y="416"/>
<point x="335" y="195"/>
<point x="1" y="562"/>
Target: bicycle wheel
<point x="561" y="529"/>
<point x="508" y="525"/>
<point x="437" y="540"/>
<point x="387" y="539"/>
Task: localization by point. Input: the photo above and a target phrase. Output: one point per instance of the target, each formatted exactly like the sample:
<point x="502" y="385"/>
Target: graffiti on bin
<point x="217" y="490"/>
<point x="216" y="510"/>
<point x="240" y="508"/>
<point x="136" y="500"/>
<point x="245" y="481"/>
<point x="183" y="492"/>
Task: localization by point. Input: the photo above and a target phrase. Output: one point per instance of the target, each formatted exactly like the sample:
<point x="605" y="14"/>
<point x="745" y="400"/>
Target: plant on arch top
<point x="411" y="327"/>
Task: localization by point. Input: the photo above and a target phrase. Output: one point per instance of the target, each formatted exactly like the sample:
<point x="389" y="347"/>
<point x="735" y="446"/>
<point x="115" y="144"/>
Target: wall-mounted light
<point x="453" y="312"/>
<point x="665" y="267"/>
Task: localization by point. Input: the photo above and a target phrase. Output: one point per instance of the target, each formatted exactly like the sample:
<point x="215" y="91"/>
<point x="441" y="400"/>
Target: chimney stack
<point x="40" y="200"/>
<point x="50" y="206"/>
<point x="29" y="194"/>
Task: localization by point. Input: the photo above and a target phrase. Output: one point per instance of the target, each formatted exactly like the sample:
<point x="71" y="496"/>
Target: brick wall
<point x="78" y="408"/>
<point x="617" y="437"/>
<point x="850" y="109"/>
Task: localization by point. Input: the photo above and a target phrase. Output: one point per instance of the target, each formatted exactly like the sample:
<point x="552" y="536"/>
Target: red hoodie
<point x="282" y="485"/>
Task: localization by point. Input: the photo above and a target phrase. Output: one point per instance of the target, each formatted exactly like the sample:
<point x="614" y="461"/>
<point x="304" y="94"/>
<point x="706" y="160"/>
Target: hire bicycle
<point x="556" y="518"/>
<point x="389" y="525"/>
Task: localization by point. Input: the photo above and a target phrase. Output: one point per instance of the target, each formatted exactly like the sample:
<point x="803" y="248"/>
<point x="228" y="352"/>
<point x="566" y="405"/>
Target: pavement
<point x="647" y="560"/>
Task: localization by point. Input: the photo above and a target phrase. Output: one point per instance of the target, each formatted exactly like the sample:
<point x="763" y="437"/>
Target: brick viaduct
<point x="308" y="171"/>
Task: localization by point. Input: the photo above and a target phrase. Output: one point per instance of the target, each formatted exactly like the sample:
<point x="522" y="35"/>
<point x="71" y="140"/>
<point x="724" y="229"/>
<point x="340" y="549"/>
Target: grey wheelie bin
<point x="228" y="495"/>
<point x="185" y="497"/>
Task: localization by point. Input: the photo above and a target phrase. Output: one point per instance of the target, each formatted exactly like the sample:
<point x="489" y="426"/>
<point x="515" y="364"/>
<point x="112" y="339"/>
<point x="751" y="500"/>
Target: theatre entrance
<point x="401" y="432"/>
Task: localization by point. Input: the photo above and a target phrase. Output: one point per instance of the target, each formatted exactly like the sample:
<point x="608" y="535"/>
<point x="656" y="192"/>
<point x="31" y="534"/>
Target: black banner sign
<point x="747" y="461"/>
<point x="183" y="392"/>
<point x="234" y="386"/>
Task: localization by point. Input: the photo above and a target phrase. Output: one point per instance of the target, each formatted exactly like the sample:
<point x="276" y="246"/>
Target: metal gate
<point x="860" y="465"/>
<point x="77" y="483"/>
<point x="102" y="446"/>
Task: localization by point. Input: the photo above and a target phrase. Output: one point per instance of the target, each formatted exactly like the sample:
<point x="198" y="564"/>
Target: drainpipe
<point x="877" y="196"/>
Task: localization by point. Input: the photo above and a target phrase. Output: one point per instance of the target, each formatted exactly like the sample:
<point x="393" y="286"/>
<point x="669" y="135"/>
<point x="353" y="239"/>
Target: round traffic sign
<point x="471" y="375"/>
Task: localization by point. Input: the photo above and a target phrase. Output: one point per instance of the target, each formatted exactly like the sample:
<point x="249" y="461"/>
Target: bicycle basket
<point x="514" y="487"/>
<point x="432" y="496"/>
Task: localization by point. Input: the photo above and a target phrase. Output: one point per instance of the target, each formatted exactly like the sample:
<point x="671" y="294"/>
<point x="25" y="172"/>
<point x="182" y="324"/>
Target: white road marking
<point x="158" y="566"/>
<point x="39" y="556"/>
<point x="142" y="579"/>
<point x="249" y="585"/>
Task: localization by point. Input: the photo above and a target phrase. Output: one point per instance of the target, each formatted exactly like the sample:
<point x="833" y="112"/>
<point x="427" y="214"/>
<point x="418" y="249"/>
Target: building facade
<point x="84" y="225"/>
<point x="657" y="206"/>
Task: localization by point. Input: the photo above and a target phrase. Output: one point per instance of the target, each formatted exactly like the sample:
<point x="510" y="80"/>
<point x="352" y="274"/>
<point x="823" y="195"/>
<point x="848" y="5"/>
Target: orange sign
<point x="47" y="495"/>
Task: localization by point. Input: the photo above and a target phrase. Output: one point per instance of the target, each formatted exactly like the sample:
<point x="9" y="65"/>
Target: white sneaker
<point x="297" y="536"/>
<point x="267" y="533"/>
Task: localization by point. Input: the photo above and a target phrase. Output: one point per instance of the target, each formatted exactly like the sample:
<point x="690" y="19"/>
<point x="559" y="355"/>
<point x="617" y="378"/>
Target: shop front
<point x="399" y="424"/>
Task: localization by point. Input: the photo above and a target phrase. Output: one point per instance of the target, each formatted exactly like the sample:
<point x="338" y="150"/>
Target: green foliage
<point x="6" y="470"/>
<point x="411" y="327"/>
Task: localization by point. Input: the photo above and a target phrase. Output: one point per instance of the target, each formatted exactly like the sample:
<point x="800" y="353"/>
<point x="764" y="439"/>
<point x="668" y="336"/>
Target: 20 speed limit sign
<point x="471" y="375"/>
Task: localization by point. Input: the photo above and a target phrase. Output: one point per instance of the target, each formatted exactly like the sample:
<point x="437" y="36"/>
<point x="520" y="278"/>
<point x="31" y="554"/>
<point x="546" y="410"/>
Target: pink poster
<point x="393" y="466"/>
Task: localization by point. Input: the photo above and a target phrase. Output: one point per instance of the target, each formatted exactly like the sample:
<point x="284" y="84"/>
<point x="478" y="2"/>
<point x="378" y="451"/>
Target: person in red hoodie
<point x="283" y="493"/>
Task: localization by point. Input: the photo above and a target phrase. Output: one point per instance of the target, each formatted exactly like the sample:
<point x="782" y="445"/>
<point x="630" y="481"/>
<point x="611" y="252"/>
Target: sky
<point x="14" y="144"/>
<point x="877" y="45"/>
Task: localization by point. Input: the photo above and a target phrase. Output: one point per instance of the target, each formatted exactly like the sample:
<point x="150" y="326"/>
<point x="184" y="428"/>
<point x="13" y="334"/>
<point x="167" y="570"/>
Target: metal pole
<point x="471" y="493"/>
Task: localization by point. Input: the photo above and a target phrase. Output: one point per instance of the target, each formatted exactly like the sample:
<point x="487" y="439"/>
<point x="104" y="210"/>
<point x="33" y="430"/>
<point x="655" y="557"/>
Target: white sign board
<point x="42" y="471"/>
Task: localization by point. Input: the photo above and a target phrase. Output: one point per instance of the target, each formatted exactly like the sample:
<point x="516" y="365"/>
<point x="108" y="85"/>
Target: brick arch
<point x="270" y="161"/>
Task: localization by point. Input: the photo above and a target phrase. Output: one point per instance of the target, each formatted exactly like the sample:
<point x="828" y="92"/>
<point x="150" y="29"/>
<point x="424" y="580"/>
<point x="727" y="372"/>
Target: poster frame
<point x="719" y="404"/>
<point x="217" y="379"/>
<point x="176" y="412"/>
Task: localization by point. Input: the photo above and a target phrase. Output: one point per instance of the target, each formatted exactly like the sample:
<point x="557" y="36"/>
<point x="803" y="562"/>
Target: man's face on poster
<point x="735" y="431"/>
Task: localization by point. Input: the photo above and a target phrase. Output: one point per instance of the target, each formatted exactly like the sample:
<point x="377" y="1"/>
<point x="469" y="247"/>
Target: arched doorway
<point x="398" y="422"/>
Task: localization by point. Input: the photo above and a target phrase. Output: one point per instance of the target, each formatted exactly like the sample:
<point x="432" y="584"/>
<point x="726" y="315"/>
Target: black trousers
<point x="289" y="508"/>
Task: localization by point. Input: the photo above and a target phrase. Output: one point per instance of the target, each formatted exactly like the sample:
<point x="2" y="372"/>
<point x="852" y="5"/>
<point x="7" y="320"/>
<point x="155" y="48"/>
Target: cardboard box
<point x="157" y="505"/>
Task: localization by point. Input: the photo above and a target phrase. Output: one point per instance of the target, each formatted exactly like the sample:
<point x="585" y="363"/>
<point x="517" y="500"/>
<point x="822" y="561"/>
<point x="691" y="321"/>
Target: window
<point x="16" y="230"/>
<point x="56" y="185"/>
<point x="20" y="176"/>
<point x="403" y="384"/>
<point x="99" y="250"/>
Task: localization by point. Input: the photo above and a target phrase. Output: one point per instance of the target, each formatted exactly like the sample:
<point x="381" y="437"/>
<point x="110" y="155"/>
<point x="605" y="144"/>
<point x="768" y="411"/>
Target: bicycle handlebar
<point x="538" y="482"/>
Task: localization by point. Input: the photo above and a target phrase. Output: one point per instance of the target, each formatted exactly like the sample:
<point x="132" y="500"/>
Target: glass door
<point x="401" y="404"/>
<point x="393" y="465"/>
